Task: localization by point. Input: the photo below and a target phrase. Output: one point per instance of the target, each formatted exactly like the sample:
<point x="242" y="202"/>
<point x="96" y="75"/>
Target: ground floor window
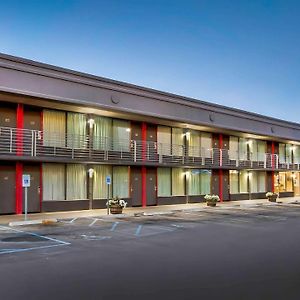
<point x="164" y="182"/>
<point x="199" y="182"/>
<point x="120" y="182"/>
<point x="53" y="182"/>
<point x="76" y="182"/>
<point x="99" y="184"/>
<point x="284" y="182"/>
<point x="178" y="182"/>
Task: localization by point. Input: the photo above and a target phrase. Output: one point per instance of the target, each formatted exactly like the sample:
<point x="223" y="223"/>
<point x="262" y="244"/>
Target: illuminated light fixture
<point x="91" y="122"/>
<point x="128" y="130"/>
<point x="91" y="172"/>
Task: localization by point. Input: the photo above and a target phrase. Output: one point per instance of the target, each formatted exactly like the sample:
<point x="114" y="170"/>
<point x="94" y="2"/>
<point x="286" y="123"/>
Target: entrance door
<point x="7" y="189"/>
<point x="136" y="186"/>
<point x="152" y="142"/>
<point x="225" y="185"/>
<point x="34" y="189"/>
<point x="151" y="186"/>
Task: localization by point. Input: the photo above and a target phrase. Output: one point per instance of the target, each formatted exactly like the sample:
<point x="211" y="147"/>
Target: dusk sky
<point x="244" y="54"/>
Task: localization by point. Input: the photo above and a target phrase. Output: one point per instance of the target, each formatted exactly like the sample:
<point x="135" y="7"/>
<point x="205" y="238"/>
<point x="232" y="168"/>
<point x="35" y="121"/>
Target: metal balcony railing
<point x="34" y="143"/>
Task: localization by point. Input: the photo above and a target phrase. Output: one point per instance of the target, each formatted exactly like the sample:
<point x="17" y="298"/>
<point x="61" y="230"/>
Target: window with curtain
<point x="178" y="182"/>
<point x="243" y="177"/>
<point x="164" y="140"/>
<point x="54" y="128"/>
<point x="253" y="182"/>
<point x="163" y="182"/>
<point x="282" y="153"/>
<point x="102" y="136"/>
<point x="194" y="182"/>
<point x="76" y="130"/>
<point x="297" y="154"/>
<point x="261" y="150"/>
<point x="53" y="182"/>
<point x="76" y="182"/>
<point x="121" y="135"/>
<point x="282" y="182"/>
<point x="289" y="181"/>
<point x="243" y="149"/>
<point x="253" y="149"/>
<point x="177" y="141"/>
<point x="120" y="182"/>
<point x="205" y="182"/>
<point x="206" y="144"/>
<point x="100" y="186"/>
<point x="262" y="182"/>
<point x="288" y="153"/>
<point x="194" y="142"/>
<point x="234" y="181"/>
<point x="233" y="147"/>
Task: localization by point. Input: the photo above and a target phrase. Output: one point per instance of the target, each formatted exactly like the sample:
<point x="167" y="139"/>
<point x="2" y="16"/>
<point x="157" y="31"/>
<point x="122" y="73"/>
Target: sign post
<point x="26" y="185"/>
<point x="108" y="183"/>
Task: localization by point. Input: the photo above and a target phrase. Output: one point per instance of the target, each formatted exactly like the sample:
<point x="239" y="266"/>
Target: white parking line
<point x="93" y="222"/>
<point x="114" y="226"/>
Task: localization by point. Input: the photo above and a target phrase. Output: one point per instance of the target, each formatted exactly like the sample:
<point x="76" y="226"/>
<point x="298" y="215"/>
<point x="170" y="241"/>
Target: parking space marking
<point x="93" y="222"/>
<point x="15" y="250"/>
<point x="138" y="230"/>
<point x="114" y="226"/>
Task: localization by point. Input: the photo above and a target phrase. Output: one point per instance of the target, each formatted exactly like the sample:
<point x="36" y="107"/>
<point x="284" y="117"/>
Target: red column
<point x="144" y="186"/>
<point x="19" y="190"/>
<point x="20" y="126"/>
<point x="272" y="181"/>
<point x="272" y="157"/>
<point x="221" y="171"/>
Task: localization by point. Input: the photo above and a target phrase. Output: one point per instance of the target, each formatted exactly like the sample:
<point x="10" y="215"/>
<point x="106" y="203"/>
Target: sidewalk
<point x="130" y="211"/>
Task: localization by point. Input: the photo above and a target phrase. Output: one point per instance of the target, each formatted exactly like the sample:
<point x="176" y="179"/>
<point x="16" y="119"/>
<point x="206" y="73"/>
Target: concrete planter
<point x="211" y="203"/>
<point x="116" y="209"/>
<point x="272" y="198"/>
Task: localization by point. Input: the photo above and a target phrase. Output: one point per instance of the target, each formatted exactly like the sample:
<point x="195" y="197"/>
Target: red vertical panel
<point x="273" y="181"/>
<point x="272" y="158"/>
<point x="144" y="140"/>
<point x="41" y="185"/>
<point x="144" y="185"/>
<point x="20" y="126"/>
<point x="19" y="192"/>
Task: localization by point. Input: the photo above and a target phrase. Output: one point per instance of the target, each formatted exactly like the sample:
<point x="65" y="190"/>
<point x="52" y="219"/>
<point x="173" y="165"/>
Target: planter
<point x="211" y="203"/>
<point x="116" y="209"/>
<point x="272" y="198"/>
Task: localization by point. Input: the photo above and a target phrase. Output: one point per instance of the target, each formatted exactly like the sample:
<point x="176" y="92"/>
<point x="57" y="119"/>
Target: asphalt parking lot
<point x="235" y="253"/>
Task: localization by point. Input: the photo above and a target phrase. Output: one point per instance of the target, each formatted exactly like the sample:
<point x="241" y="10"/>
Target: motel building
<point x="70" y="130"/>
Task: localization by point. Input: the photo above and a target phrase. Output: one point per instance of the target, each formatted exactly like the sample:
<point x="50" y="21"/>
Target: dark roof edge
<point x="145" y="89"/>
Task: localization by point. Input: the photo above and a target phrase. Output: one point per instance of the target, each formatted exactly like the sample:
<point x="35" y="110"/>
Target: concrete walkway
<point x="130" y="211"/>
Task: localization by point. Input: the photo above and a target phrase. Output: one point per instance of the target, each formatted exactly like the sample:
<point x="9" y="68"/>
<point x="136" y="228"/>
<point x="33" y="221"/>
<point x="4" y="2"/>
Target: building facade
<point x="70" y="130"/>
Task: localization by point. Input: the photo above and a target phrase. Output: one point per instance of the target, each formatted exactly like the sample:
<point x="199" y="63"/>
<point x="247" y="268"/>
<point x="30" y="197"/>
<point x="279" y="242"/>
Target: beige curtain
<point x="76" y="130"/>
<point x="164" y="140"/>
<point x="102" y="133"/>
<point x="121" y="135"/>
<point x="164" y="182"/>
<point x="76" y="182"/>
<point x="194" y="142"/>
<point x="234" y="181"/>
<point x="53" y="182"/>
<point x="100" y="186"/>
<point x="54" y="127"/>
<point x="178" y="182"/>
<point x="233" y="147"/>
<point x="177" y="141"/>
<point x="261" y="150"/>
<point x="206" y="144"/>
<point x="121" y="182"/>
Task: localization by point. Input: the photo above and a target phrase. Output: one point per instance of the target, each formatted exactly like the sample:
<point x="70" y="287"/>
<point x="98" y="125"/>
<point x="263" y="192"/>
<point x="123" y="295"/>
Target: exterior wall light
<point x="91" y="172"/>
<point x="128" y="130"/>
<point x="91" y="122"/>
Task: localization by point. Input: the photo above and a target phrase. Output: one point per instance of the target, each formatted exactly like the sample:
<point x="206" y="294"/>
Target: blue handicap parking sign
<point x="108" y="180"/>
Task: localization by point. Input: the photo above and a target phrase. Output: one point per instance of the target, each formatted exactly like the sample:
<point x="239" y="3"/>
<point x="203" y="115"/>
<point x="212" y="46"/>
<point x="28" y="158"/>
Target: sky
<point x="240" y="53"/>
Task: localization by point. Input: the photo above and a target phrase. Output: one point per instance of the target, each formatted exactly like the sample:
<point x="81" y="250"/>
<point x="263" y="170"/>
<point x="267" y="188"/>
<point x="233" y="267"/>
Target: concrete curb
<point x="33" y="222"/>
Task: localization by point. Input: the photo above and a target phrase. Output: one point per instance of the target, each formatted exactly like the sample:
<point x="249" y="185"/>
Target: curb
<point x="33" y="222"/>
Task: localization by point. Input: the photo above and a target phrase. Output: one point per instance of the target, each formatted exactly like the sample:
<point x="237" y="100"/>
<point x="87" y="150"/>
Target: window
<point x="253" y="182"/>
<point x="102" y="136"/>
<point x="233" y="147"/>
<point x="206" y="144"/>
<point x="261" y="150"/>
<point x="76" y="182"/>
<point x="288" y="153"/>
<point x="121" y="135"/>
<point x="53" y="182"/>
<point x="243" y="181"/>
<point x="178" y="182"/>
<point x="164" y="182"/>
<point x="296" y="154"/>
<point x="234" y="181"/>
<point x="164" y="140"/>
<point x="54" y="127"/>
<point x="282" y="153"/>
<point x="243" y="149"/>
<point x="194" y="142"/>
<point x="76" y="130"/>
<point x="253" y="150"/>
<point x="100" y="186"/>
<point x="262" y="182"/>
<point x="194" y="182"/>
<point x="205" y="181"/>
<point x="177" y="141"/>
<point x="120" y="182"/>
